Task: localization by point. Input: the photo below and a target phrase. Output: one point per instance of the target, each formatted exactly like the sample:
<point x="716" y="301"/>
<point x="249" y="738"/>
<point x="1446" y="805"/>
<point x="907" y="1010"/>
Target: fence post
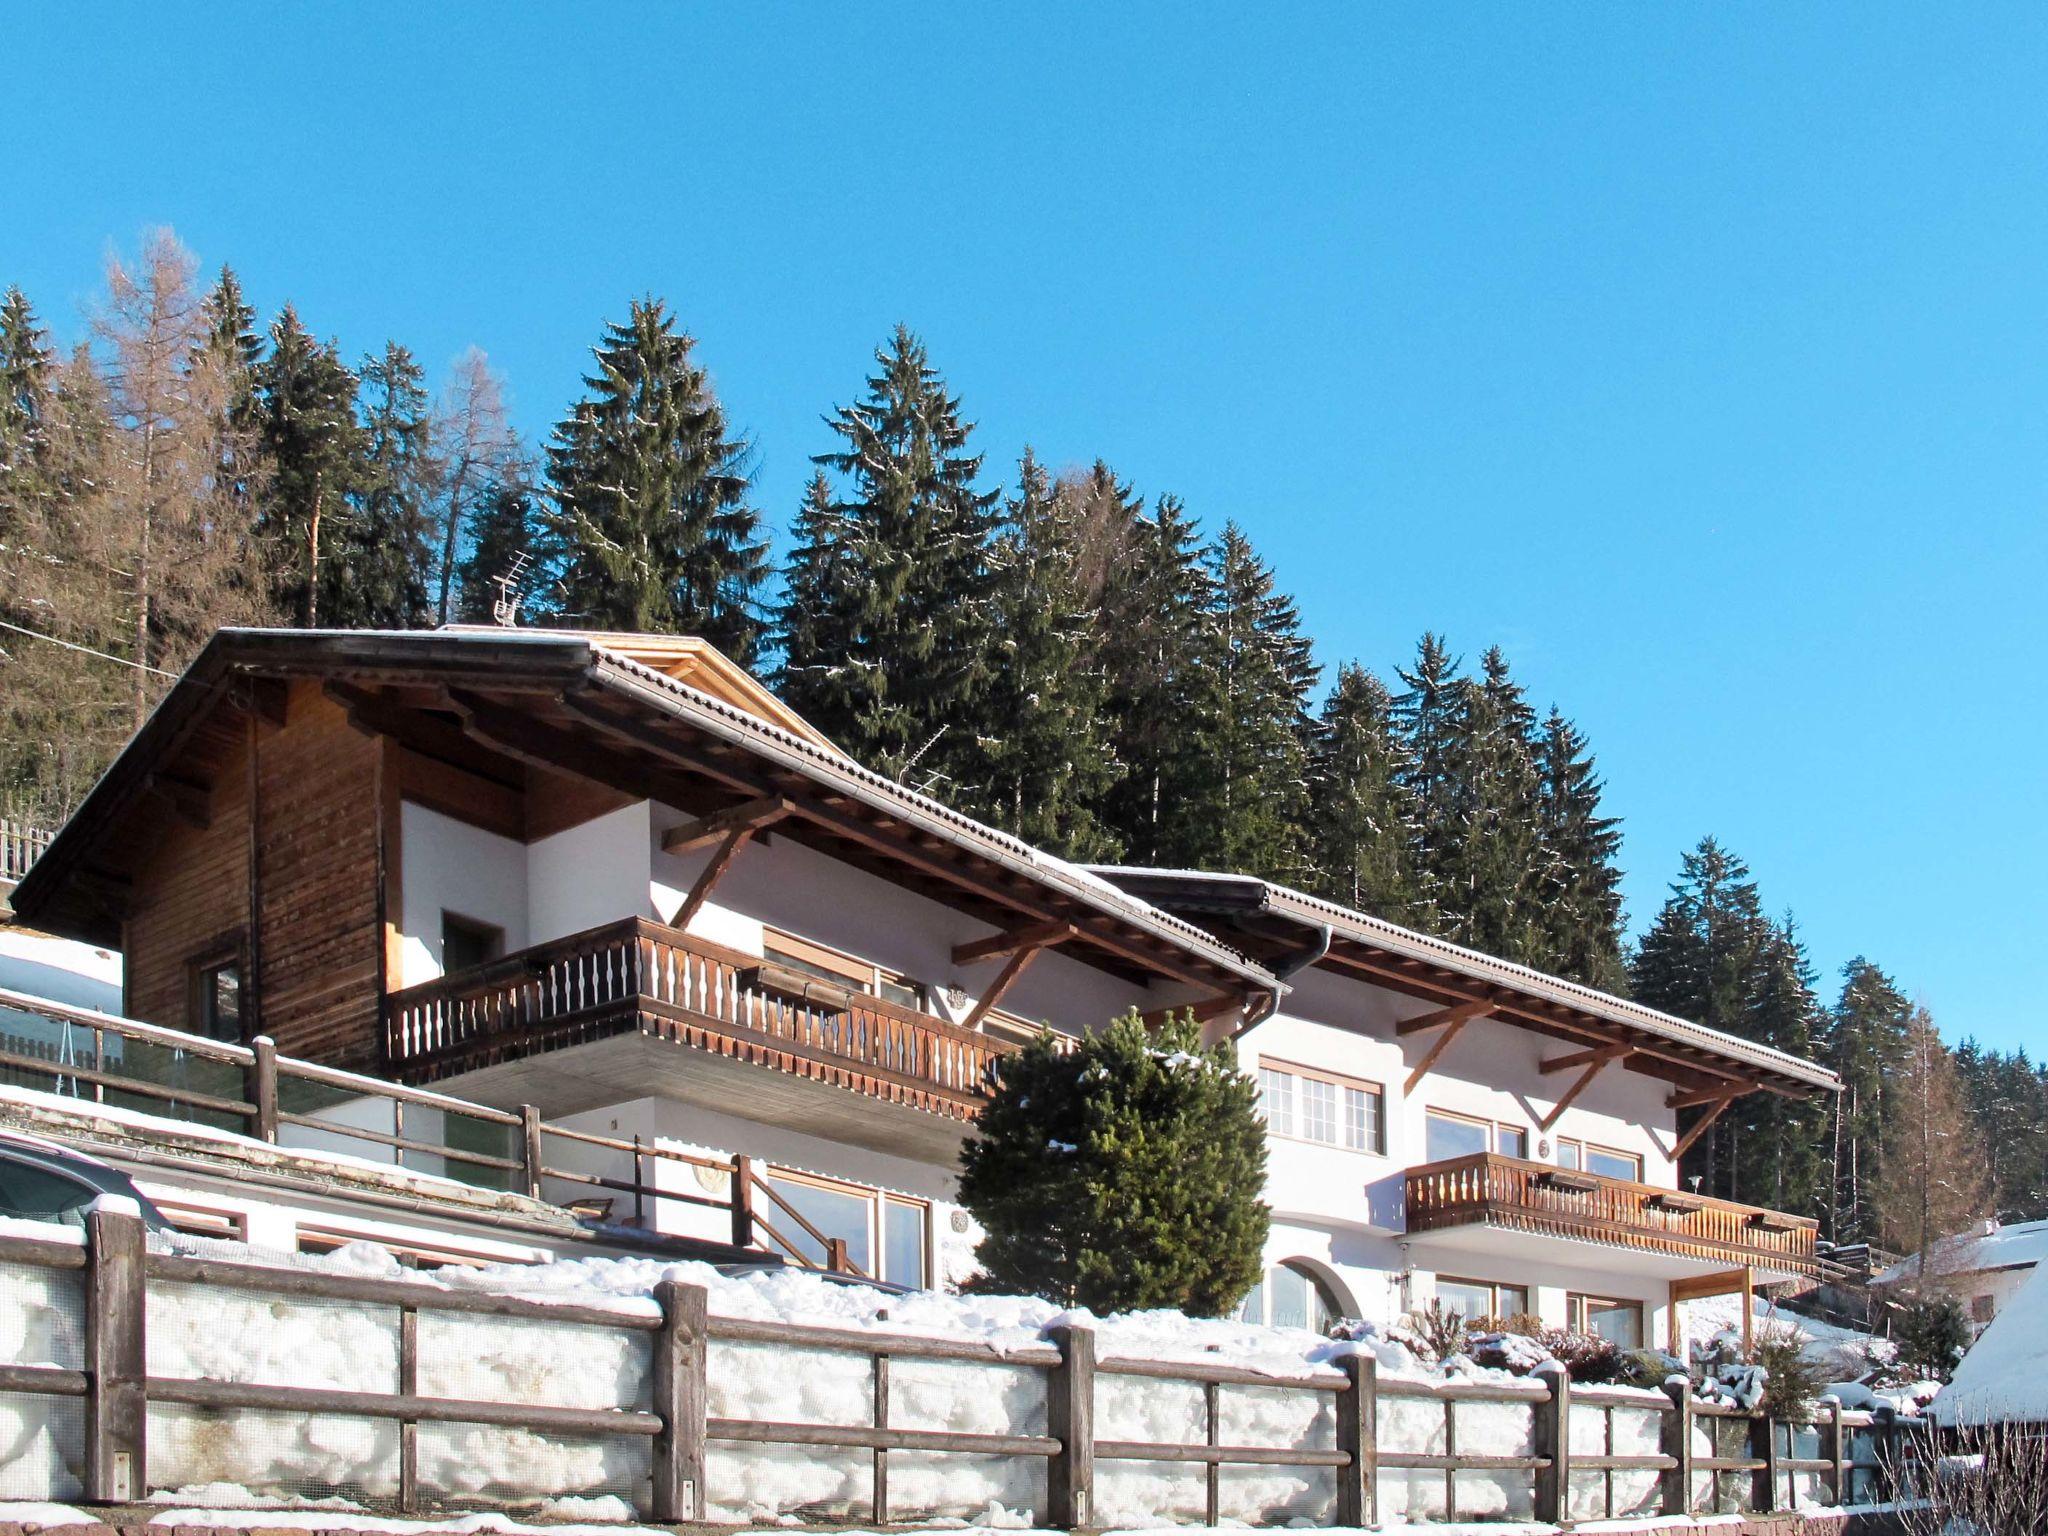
<point x="1832" y="1449"/>
<point x="1358" y="1409"/>
<point x="1675" y="1429"/>
<point x="1553" y="1429"/>
<point x="680" y="1397"/>
<point x="1070" y="1419"/>
<point x="1766" y="1492"/>
<point x="261" y="1088"/>
<point x="116" y="1353"/>
<point x="743" y="1202"/>
<point x="530" y="1158"/>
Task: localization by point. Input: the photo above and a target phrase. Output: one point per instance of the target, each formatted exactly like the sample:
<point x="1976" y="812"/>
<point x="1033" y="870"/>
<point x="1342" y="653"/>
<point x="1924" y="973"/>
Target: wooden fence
<point x="1862" y="1458"/>
<point x="20" y="846"/>
<point x="251" y="1088"/>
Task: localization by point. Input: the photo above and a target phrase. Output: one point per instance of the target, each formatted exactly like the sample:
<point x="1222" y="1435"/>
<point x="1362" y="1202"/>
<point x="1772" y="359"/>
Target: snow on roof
<point x="2002" y="1379"/>
<point x="2015" y="1245"/>
<point x="63" y="970"/>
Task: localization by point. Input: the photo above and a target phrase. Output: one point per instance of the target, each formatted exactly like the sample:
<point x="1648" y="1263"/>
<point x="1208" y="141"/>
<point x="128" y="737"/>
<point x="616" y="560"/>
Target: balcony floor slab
<point x="1446" y="1248"/>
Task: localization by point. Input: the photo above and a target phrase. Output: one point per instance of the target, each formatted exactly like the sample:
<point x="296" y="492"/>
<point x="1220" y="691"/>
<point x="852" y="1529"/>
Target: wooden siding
<point x="191" y="899"/>
<point x="320" y="970"/>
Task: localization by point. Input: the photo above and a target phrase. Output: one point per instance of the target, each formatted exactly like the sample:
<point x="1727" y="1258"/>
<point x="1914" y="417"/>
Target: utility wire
<point x="36" y="634"/>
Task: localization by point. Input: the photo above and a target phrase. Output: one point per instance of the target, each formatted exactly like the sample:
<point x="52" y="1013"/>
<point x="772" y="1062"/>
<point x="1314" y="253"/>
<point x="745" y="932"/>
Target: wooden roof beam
<point x="1034" y="937"/>
<point x="1734" y="1088"/>
<point x="753" y="816"/>
<point x="1613" y="1051"/>
<point x="1457" y="1015"/>
<point x="1594" y="1067"/>
<point x="1701" y="1126"/>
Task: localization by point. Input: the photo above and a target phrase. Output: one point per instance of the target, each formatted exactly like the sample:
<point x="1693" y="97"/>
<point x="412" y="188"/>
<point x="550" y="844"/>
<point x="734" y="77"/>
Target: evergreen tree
<point x="887" y="630"/>
<point x="26" y="374"/>
<point x="1430" y="718"/>
<point x="1698" y="961"/>
<point x="650" y="523"/>
<point x="1161" y="654"/>
<point x="503" y="528"/>
<point x="1578" y="884"/>
<point x="1049" y="762"/>
<point x="377" y="576"/>
<point x="1124" y="1174"/>
<point x="1864" y="1041"/>
<point x="1358" y="808"/>
<point x="231" y="352"/>
<point x="1779" y="1153"/>
<point x="1488" y="856"/>
<point x="1258" y="776"/>
<point x="306" y="421"/>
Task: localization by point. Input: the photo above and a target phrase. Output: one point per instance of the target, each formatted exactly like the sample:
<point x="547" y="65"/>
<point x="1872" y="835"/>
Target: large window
<point x="1449" y="1135"/>
<point x="886" y="1235"/>
<point x="1582" y="1157"/>
<point x="1475" y="1299"/>
<point x="786" y="949"/>
<point x="1290" y="1296"/>
<point x="1619" y="1322"/>
<point x="1305" y="1104"/>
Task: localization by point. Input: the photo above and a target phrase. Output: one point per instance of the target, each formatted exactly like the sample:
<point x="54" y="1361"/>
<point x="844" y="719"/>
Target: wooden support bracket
<point x="753" y="816"/>
<point x="1443" y="1043"/>
<point x="1701" y="1126"/>
<point x="1594" y="1068"/>
<point x="1457" y="1015"/>
<point x="1035" y="936"/>
<point x="1615" y="1052"/>
<point x="1733" y="1088"/>
<point x="720" y="861"/>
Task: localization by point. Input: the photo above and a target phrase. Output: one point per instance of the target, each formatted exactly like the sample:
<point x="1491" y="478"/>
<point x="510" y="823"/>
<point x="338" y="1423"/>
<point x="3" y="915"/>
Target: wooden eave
<point x="551" y="704"/>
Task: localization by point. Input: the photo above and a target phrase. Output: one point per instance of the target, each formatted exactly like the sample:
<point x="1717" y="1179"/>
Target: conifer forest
<point x="1091" y="664"/>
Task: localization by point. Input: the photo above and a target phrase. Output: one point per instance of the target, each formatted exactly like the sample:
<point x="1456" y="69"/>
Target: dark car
<point x="42" y="1181"/>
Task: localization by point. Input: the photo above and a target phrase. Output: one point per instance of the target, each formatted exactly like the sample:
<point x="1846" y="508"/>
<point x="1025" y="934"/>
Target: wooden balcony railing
<point x="1536" y="1197"/>
<point x="639" y="976"/>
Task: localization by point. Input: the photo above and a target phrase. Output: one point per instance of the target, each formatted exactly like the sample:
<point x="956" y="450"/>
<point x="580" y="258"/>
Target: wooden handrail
<point x="1512" y="1192"/>
<point x="637" y="975"/>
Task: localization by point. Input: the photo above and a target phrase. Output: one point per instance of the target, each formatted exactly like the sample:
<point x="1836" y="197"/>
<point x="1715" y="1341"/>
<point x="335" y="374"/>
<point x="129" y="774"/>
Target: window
<point x="466" y="943"/>
<point x="1982" y="1308"/>
<point x="217" y="1000"/>
<point x="1476" y="1299"/>
<point x="1304" y="1104"/>
<point x="1450" y="1135"/>
<point x="1514" y="1142"/>
<point x="1290" y="1296"/>
<point x="786" y="949"/>
<point x="870" y="1222"/>
<point x="1605" y="1161"/>
<point x="1619" y="1322"/>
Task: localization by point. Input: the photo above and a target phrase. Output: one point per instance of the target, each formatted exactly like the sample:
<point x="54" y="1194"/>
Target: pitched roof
<point x="1429" y="966"/>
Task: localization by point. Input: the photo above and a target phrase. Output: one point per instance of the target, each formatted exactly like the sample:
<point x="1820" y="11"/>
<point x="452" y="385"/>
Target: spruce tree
<point x="1779" y="1151"/>
<point x="1578" y="885"/>
<point x="377" y="576"/>
<point x="887" y="630"/>
<point x="306" y="420"/>
<point x="1864" y="1040"/>
<point x="1488" y="856"/>
<point x="1161" y="653"/>
<point x="231" y="352"/>
<point x="1048" y="755"/>
<point x="1123" y="1174"/>
<point x="650" y="525"/>
<point x="1359" y="813"/>
<point x="26" y="375"/>
<point x="1259" y="751"/>
<point x="502" y="528"/>
<point x="1429" y="715"/>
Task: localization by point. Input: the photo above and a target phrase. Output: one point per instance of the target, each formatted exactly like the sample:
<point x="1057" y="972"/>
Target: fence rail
<point x="20" y="846"/>
<point x="101" y="1058"/>
<point x="637" y="975"/>
<point x="669" y="1408"/>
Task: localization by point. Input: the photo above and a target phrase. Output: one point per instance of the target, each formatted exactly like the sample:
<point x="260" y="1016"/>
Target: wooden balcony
<point x="636" y="977"/>
<point x="1509" y="1194"/>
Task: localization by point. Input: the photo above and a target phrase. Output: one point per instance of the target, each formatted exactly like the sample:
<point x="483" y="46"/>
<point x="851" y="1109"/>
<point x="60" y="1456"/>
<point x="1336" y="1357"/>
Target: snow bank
<point x="2000" y="1379"/>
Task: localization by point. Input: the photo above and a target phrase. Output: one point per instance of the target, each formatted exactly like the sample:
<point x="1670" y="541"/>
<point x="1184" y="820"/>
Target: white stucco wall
<point x="592" y="874"/>
<point x="449" y="866"/>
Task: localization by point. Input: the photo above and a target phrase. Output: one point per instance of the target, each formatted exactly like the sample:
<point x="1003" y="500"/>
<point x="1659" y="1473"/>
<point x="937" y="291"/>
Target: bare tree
<point x="477" y="451"/>
<point x="1932" y="1183"/>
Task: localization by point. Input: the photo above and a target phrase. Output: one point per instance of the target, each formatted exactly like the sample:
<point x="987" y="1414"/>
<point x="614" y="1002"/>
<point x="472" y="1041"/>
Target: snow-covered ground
<point x="2004" y="1377"/>
<point x="1845" y="1356"/>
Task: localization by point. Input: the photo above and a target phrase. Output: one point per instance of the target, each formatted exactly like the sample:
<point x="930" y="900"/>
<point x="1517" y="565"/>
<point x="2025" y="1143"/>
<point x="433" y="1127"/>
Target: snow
<point x="62" y="970"/>
<point x="2013" y="1245"/>
<point x="2004" y="1377"/>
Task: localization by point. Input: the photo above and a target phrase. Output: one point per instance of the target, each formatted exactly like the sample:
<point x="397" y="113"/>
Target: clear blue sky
<point x="1698" y="355"/>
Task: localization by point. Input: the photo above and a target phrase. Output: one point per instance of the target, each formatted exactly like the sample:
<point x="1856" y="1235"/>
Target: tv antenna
<point x="505" y="608"/>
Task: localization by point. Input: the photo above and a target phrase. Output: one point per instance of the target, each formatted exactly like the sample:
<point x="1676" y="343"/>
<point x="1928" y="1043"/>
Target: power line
<point x="36" y="634"/>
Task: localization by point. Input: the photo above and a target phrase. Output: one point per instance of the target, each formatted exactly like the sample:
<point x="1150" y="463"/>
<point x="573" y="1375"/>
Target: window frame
<point x="200" y="994"/>
<point x="878" y="1201"/>
<point x="1577" y="1303"/>
<point x="492" y="933"/>
<point x="1492" y="1127"/>
<point x="866" y="977"/>
<point x="1338" y="1082"/>
<point x="1319" y="1292"/>
<point x="1493" y="1288"/>
<point x="1586" y="1149"/>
